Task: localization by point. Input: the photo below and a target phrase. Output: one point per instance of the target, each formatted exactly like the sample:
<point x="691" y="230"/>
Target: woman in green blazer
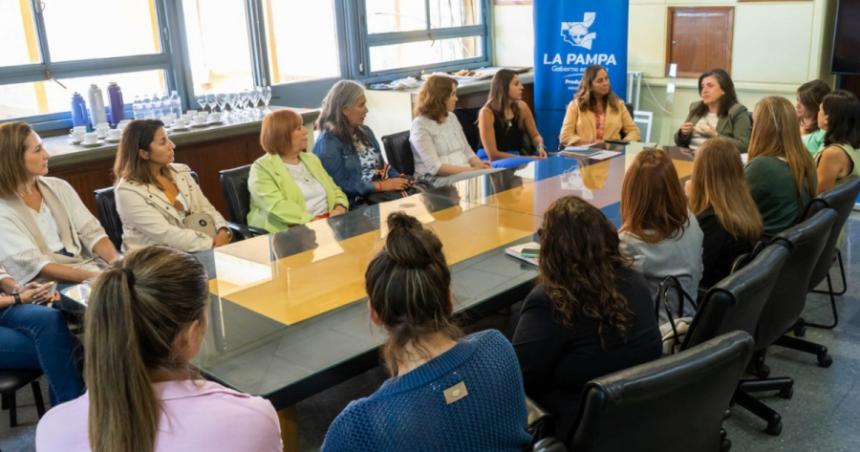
<point x="287" y="185"/>
<point x="718" y="114"/>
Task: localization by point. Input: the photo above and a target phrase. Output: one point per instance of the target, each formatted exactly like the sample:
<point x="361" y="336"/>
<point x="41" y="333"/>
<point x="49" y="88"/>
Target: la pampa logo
<point x="577" y="33"/>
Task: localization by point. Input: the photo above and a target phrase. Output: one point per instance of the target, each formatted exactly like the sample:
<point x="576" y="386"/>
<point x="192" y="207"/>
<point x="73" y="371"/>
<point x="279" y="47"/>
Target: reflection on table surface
<point x="287" y="317"/>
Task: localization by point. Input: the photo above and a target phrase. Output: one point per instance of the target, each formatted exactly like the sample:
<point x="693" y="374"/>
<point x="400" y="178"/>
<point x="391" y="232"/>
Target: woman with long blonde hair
<point x="780" y="172"/>
<point x="718" y="194"/>
<point x="145" y="322"/>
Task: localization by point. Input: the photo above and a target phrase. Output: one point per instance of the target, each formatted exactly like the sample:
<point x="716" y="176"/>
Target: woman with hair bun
<point x="591" y="313"/>
<point x="447" y="392"/>
<point x="145" y="323"/>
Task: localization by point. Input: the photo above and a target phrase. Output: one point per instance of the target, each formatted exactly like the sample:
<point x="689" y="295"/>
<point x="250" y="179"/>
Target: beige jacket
<point x="580" y="126"/>
<point x="149" y="218"/>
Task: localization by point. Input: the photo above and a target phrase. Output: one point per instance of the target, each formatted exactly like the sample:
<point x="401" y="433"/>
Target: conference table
<point x="289" y="316"/>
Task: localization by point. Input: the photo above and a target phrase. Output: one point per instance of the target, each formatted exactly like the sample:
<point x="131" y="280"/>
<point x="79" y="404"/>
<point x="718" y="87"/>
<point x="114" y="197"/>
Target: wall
<point x="777" y="46"/>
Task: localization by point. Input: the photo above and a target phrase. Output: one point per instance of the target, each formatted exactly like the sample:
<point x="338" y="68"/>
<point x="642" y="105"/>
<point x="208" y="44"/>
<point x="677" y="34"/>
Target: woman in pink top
<point x="145" y="322"/>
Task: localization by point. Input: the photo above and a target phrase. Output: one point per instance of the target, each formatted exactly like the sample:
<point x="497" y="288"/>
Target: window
<point x="301" y="38"/>
<point x="218" y="51"/>
<point x="404" y="35"/>
<point x="53" y="48"/>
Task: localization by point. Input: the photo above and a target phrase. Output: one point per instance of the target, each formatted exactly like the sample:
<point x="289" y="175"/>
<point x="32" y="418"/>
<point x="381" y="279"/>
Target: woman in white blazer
<point x="46" y="232"/>
<point x="158" y="201"/>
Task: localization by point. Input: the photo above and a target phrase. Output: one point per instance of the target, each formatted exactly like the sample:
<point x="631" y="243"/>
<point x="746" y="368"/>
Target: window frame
<point x="354" y="44"/>
<point x="47" y="70"/>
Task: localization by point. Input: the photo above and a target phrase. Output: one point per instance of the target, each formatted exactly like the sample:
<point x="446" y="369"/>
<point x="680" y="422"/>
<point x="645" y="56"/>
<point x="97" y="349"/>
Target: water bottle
<point x="137" y="108"/>
<point x="97" y="105"/>
<point x="146" y="107"/>
<point x="156" y="106"/>
<point x="175" y="104"/>
<point x="116" y="104"/>
<point x="79" y="111"/>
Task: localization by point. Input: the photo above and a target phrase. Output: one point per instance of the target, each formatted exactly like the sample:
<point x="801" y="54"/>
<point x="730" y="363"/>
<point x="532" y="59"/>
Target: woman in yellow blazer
<point x="287" y="185"/>
<point x="596" y="114"/>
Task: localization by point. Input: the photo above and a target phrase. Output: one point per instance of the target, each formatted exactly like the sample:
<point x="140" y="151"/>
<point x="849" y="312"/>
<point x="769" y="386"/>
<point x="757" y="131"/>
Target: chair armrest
<point x="535" y="412"/>
<point x="242" y="232"/>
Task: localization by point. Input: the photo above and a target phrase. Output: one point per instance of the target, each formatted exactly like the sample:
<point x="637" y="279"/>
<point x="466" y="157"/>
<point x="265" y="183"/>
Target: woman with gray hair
<point x="348" y="149"/>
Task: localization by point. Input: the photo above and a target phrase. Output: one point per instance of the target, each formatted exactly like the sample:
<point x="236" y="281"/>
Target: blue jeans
<point x="37" y="337"/>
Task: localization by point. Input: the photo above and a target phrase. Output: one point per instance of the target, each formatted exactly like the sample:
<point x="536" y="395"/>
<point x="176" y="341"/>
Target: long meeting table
<point x="289" y="316"/>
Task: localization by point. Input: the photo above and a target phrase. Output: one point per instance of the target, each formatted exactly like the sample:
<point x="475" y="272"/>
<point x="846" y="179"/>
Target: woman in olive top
<point x="839" y="116"/>
<point x="718" y="194"/>
<point x="505" y="121"/>
<point x="718" y="114"/>
<point x="780" y="172"/>
<point x="809" y="97"/>
<point x="289" y="186"/>
<point x="596" y="114"/>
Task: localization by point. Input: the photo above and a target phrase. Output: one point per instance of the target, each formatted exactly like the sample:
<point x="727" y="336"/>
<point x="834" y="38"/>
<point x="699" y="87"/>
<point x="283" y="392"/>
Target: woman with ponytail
<point x="446" y="393"/>
<point x="145" y="322"/>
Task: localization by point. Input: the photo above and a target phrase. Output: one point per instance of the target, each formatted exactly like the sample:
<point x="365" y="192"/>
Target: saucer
<point x="113" y="140"/>
<point x="91" y="145"/>
<point x="199" y="124"/>
<point x="74" y="140"/>
<point x="179" y="129"/>
<point x="215" y="123"/>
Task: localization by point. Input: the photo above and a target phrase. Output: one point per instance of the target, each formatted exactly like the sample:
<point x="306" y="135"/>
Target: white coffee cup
<point x="91" y="138"/>
<point x="214" y="117"/>
<point x="180" y="123"/>
<point x="114" y="134"/>
<point x="201" y="118"/>
<point x="79" y="130"/>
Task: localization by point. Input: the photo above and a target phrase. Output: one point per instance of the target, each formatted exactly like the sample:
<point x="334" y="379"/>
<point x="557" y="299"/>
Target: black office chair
<point x="468" y="118"/>
<point x="108" y="216"/>
<point x="549" y="445"/>
<point x="13" y="380"/>
<point x="841" y="199"/>
<point x="736" y="303"/>
<point x="674" y="403"/>
<point x="399" y="152"/>
<point x="234" y="182"/>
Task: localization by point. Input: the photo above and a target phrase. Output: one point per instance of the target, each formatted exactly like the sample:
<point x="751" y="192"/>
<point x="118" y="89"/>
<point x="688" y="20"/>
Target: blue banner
<point x="571" y="35"/>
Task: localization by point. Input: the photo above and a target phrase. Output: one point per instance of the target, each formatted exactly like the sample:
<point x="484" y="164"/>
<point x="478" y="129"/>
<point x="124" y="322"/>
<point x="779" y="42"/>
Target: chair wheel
<point x="787" y="393"/>
<point x="762" y="370"/>
<point x="726" y="445"/>
<point x="824" y="359"/>
<point x="774" y="427"/>
<point x="800" y="329"/>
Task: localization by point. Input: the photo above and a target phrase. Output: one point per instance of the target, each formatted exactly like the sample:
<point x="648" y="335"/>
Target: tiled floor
<point x="823" y="415"/>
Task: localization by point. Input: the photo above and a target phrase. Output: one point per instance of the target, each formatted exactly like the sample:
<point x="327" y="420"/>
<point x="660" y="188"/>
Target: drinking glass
<point x="267" y="96"/>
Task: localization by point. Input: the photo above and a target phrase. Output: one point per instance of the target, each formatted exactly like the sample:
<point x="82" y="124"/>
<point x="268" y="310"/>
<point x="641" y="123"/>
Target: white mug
<point x="91" y="138"/>
<point x="180" y="123"/>
<point x="79" y="130"/>
<point x="114" y="134"/>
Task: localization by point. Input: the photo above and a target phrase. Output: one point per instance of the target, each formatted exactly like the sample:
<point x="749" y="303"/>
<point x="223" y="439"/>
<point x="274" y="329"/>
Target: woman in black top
<point x="506" y="123"/>
<point x="590" y="314"/>
<point x="718" y="194"/>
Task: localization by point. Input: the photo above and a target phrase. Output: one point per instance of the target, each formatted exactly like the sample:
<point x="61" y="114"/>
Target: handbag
<point x="674" y="331"/>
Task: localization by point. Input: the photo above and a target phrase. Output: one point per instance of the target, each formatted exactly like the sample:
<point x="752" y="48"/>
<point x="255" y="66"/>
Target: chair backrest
<point x="841" y="199"/>
<point x="234" y="182"/>
<point x="399" y="152"/>
<point x="108" y="216"/>
<point x="805" y="242"/>
<point x="736" y="302"/>
<point x="674" y="403"/>
<point x="468" y="118"/>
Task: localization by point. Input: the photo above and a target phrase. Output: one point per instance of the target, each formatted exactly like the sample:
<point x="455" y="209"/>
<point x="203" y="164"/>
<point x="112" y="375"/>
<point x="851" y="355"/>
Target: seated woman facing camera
<point x="719" y="196"/>
<point x="446" y="393"/>
<point x="145" y="322"/>
<point x="289" y="186"/>
<point x="33" y="336"/>
<point x="596" y="114"/>
<point x="438" y="142"/>
<point x="158" y="201"/>
<point x="590" y="315"/>
<point x="349" y="150"/>
<point x="46" y="232"/>
<point x="839" y="117"/>
<point x="718" y="114"/>
<point x="506" y="123"/>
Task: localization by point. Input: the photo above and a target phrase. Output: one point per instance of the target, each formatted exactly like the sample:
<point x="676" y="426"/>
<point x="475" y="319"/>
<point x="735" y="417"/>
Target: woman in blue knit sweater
<point x="446" y="393"/>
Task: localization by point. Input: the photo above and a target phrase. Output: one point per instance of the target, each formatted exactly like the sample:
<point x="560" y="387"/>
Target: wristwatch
<point x="17" y="297"/>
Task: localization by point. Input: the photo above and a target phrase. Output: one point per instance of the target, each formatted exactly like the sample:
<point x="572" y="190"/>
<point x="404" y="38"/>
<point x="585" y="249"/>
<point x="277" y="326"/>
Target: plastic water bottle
<point x="116" y="103"/>
<point x="97" y="105"/>
<point x="79" y="111"/>
<point x="156" y="107"/>
<point x="137" y="108"/>
<point x="145" y="106"/>
<point x="175" y="104"/>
